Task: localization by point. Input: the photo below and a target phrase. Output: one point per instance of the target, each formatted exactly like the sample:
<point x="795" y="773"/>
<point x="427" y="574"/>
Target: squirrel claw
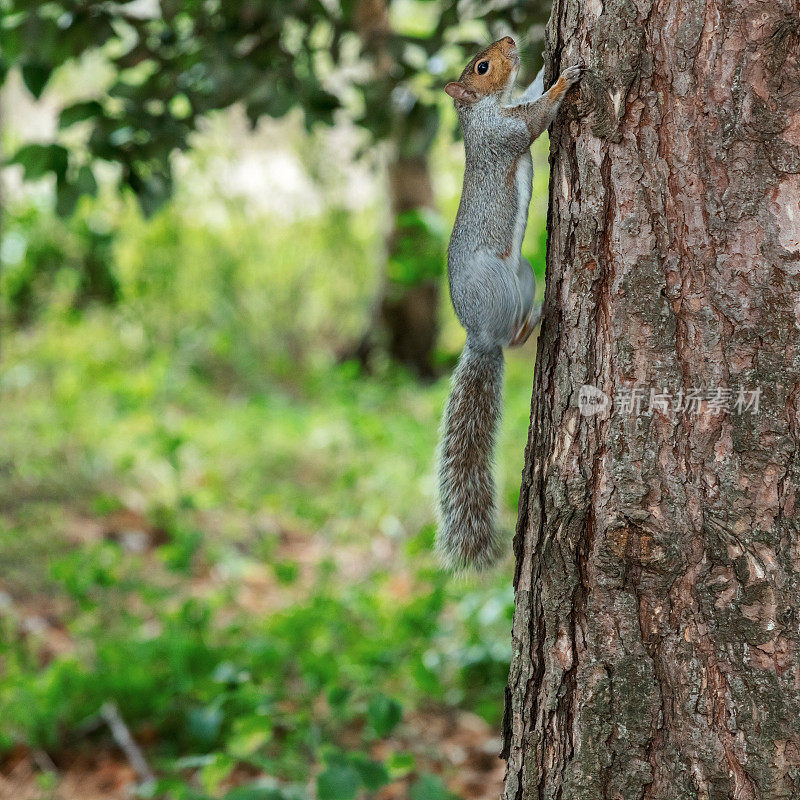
<point x="522" y="335"/>
<point x="573" y="74"/>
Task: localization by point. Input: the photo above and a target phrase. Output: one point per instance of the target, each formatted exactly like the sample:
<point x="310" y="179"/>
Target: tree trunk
<point x="409" y="306"/>
<point x="404" y="320"/>
<point x="657" y="627"/>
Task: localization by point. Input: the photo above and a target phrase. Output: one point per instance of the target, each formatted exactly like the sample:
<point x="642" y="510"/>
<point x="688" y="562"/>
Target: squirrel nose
<point x="509" y="41"/>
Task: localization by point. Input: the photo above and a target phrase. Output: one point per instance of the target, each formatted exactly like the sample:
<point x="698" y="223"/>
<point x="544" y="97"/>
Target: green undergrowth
<point x="209" y="522"/>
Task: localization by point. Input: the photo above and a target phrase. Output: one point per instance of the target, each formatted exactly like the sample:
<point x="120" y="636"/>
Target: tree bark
<point x="656" y="637"/>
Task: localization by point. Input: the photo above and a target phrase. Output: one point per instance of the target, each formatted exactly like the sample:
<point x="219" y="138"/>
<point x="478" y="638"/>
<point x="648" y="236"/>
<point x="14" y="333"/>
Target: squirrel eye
<point x="482" y="67"/>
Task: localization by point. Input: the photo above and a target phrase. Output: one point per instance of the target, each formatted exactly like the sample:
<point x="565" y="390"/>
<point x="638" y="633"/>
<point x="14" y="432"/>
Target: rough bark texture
<point x="657" y="629"/>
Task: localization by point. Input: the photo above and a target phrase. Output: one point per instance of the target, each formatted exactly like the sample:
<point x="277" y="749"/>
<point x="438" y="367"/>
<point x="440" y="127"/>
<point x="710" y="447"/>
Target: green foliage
<point x="383" y="714"/>
<point x="430" y="787"/>
<point x="55" y="263"/>
<point x="169" y="70"/>
<point x="339" y="781"/>
<point x="208" y="398"/>
<point x="256" y="793"/>
<point x="417" y="250"/>
<point x="39" y="159"/>
<point x="172" y="68"/>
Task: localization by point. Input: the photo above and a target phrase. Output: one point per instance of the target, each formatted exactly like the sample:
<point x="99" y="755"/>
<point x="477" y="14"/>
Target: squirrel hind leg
<point x="528" y="326"/>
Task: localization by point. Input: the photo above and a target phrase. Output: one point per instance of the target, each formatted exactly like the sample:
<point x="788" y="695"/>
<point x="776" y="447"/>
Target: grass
<point x="207" y="521"/>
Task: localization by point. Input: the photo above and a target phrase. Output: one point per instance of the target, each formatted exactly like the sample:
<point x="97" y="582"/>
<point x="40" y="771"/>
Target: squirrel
<point x="492" y="287"/>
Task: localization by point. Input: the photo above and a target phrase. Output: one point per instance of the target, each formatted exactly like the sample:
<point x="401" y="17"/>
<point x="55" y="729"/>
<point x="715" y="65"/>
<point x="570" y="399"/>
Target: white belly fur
<point x="523" y="183"/>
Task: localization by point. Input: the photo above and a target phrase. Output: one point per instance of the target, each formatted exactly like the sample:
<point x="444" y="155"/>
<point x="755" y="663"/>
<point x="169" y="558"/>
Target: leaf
<point x="286" y="572"/>
<point x="338" y="696"/>
<point x="152" y="192"/>
<point x="204" y="724"/>
<point x="215" y="772"/>
<point x="430" y="787"/>
<point x="85" y="182"/>
<point x="79" y="112"/>
<point x="254" y="793"/>
<point x="322" y="102"/>
<point x="384" y="713"/>
<point x="69" y="192"/>
<point x="230" y="674"/>
<point x="39" y="159"/>
<point x="373" y="774"/>
<point x="401" y="764"/>
<point x="249" y="735"/>
<point x="340" y="781"/>
<point x="67" y="195"/>
<point x="35" y="77"/>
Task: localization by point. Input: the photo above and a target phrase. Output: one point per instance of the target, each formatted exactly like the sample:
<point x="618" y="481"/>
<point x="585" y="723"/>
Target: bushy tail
<point x="467" y="506"/>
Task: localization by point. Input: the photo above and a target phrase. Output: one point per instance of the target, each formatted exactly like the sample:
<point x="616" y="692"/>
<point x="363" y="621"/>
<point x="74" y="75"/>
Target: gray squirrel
<point x="491" y="285"/>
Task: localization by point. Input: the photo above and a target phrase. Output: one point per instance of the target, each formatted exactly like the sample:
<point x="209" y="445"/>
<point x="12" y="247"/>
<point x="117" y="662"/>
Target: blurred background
<point x="226" y="342"/>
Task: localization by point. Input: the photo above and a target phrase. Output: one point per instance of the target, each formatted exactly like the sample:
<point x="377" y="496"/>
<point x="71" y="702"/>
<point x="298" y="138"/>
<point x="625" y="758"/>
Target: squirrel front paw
<point x="566" y="80"/>
<point x="571" y="75"/>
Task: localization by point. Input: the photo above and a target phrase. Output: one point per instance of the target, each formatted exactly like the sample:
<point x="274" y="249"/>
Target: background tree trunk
<point x="657" y="628"/>
<point x="404" y="320"/>
<point x="409" y="309"/>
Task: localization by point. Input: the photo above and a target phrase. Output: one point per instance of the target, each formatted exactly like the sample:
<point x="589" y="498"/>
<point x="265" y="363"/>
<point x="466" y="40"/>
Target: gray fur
<point x="467" y="536"/>
<point x="492" y="288"/>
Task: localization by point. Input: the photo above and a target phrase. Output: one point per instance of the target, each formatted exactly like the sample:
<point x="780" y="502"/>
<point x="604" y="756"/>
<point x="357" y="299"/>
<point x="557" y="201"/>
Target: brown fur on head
<point x="489" y="73"/>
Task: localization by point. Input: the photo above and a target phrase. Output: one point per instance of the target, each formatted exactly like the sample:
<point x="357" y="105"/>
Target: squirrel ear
<point x="460" y="92"/>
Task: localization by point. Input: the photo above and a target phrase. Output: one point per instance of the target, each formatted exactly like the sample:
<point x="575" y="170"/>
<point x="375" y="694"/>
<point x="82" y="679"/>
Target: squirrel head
<point x="490" y="73"/>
